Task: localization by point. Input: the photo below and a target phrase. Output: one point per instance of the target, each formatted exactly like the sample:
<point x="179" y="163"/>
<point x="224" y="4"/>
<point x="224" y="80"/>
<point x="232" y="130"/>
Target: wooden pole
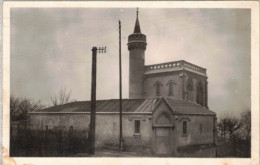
<point x="93" y="102"/>
<point x="120" y="91"/>
<point x="92" y="126"/>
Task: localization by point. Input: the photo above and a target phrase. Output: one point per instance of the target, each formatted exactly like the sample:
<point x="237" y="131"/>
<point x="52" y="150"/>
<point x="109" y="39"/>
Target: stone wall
<point x="163" y="78"/>
<point x="200" y="130"/>
<point x="192" y="95"/>
<point x="178" y="91"/>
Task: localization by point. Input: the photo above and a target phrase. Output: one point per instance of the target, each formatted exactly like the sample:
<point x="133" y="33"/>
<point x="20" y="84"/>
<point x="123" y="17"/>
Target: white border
<point x="253" y="5"/>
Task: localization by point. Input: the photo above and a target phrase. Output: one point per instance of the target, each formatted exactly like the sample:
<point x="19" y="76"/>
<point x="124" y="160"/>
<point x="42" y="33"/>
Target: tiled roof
<point x="130" y="105"/>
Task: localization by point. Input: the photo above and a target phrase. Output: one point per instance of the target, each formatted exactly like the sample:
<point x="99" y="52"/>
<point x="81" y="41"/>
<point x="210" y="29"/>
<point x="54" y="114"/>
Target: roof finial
<point x="136" y="12"/>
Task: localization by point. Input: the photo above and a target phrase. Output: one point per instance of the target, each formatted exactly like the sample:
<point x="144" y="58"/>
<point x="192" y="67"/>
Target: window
<point x="171" y="89"/>
<point x="170" y="84"/>
<point x="189" y="84"/>
<point x="157" y="86"/>
<point x="189" y="88"/>
<point x="157" y="89"/>
<point x="184" y="127"/>
<point x="200" y="93"/>
<point x="137" y="126"/>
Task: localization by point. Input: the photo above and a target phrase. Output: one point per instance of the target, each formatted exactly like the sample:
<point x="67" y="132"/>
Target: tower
<point x="136" y="46"/>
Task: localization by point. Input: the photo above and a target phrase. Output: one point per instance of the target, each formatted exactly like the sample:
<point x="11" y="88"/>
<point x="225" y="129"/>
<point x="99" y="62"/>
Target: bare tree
<point x="222" y="128"/>
<point x="61" y="97"/>
<point x="246" y="124"/>
<point x="227" y="125"/>
<point x="19" y="107"/>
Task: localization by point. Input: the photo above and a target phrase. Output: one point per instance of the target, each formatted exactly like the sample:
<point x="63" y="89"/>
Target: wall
<point x="192" y="95"/>
<point x="163" y="78"/>
<point x="107" y="128"/>
<point x="193" y="135"/>
<point x="178" y="93"/>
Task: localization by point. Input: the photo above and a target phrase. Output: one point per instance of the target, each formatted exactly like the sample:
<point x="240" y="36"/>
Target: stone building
<point x="166" y="114"/>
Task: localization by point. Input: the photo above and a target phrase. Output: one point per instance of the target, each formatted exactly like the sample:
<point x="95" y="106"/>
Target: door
<point x="162" y="141"/>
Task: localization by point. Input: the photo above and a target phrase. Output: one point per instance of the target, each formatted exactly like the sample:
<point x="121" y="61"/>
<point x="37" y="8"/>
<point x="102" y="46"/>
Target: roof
<point x="137" y="26"/>
<point x="129" y="105"/>
<point x="188" y="107"/>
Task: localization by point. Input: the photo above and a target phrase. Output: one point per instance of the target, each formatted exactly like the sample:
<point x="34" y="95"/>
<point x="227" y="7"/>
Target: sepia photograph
<point x="132" y="81"/>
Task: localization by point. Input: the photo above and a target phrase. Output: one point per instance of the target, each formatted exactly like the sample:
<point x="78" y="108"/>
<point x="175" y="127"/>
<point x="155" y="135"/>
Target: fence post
<point x="46" y="141"/>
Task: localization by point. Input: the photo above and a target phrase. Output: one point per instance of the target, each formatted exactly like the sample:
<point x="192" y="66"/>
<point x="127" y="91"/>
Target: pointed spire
<point x="137" y="25"/>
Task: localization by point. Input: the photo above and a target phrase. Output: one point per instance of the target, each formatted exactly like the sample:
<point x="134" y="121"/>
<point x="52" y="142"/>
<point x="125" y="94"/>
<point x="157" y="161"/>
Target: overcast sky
<point x="51" y="49"/>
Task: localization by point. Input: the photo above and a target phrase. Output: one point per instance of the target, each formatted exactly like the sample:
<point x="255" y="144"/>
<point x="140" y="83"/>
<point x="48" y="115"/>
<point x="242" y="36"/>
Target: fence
<point x="25" y="141"/>
<point x="238" y="148"/>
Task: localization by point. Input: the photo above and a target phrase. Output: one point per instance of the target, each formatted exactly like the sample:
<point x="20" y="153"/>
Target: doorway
<point x="162" y="141"/>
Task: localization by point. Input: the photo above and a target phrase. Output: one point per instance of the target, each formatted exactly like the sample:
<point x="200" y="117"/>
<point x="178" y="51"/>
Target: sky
<point x="51" y="49"/>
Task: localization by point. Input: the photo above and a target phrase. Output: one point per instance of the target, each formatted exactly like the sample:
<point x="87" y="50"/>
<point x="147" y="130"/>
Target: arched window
<point x="189" y="88"/>
<point x="200" y="93"/>
<point x="157" y="89"/>
<point x="189" y="84"/>
<point x="171" y="89"/>
<point x="170" y="84"/>
<point x="157" y="86"/>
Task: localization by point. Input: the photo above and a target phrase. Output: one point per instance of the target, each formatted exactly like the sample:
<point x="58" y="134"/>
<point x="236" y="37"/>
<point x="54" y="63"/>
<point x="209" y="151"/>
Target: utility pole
<point x="120" y="91"/>
<point x="92" y="128"/>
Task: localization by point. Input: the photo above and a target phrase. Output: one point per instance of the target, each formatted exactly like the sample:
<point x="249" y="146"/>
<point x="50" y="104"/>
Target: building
<point x="166" y="114"/>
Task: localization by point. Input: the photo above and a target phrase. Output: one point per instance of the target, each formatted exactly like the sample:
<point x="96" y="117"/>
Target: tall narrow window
<point x="189" y="84"/>
<point x="170" y="84"/>
<point x="171" y="88"/>
<point x="200" y="93"/>
<point x="137" y="126"/>
<point x="189" y="89"/>
<point x="184" y="127"/>
<point x="157" y="85"/>
<point x="157" y="89"/>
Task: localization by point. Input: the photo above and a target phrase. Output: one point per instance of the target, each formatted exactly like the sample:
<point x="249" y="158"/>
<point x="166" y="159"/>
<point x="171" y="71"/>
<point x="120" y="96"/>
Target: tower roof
<point x="137" y="25"/>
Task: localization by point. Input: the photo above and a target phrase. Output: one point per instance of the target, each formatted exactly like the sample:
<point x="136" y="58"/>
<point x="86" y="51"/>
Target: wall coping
<point x="174" y="66"/>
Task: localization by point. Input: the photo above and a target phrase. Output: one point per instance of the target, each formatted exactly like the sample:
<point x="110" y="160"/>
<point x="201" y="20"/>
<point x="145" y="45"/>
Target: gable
<point x="163" y="119"/>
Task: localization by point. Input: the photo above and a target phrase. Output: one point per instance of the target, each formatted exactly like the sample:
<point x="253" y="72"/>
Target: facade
<point x="166" y="114"/>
